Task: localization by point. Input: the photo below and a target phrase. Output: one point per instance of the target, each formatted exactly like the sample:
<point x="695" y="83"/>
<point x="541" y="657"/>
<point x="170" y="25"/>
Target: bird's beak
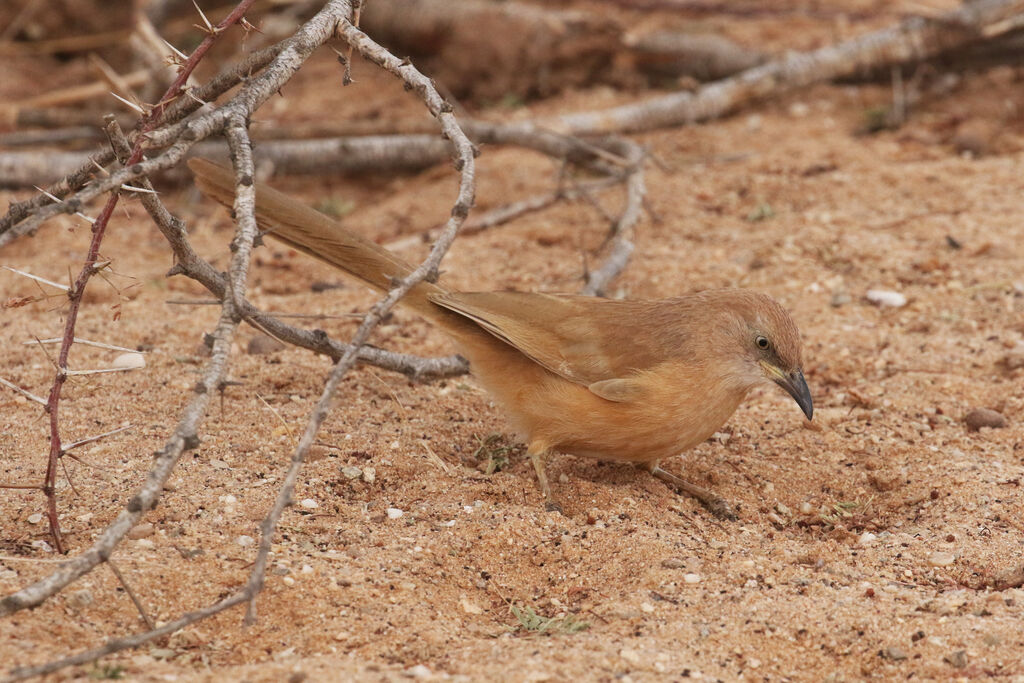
<point x="795" y="385"/>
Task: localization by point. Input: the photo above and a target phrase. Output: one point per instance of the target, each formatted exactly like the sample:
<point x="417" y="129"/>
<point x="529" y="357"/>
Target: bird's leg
<point x="537" y="455"/>
<point x="718" y="506"/>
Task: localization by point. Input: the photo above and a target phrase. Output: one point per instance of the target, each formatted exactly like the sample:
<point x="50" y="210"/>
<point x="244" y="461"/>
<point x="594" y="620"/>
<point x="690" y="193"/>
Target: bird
<point x="634" y="381"/>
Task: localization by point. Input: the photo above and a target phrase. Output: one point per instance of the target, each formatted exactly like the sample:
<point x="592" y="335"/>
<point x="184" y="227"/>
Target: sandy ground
<point x="865" y="539"/>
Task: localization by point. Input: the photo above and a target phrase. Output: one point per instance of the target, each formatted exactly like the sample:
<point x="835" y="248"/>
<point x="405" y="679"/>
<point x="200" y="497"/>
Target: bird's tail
<point x="310" y="231"/>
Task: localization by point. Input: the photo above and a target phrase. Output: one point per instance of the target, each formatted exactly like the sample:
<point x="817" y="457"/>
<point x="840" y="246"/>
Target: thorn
<point x="130" y="104"/>
<point x="176" y="51"/>
<point x="248" y="26"/>
<point x="132" y="188"/>
<point x="196" y="99"/>
<point x="209" y="26"/>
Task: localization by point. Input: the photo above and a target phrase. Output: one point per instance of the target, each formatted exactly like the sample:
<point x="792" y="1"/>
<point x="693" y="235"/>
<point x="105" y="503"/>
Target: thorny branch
<point x="186" y="435"/>
<point x="257" y="90"/>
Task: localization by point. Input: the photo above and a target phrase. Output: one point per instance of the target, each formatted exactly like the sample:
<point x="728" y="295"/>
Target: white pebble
<point x="941" y="559"/>
<point x="306" y="569"/>
<point x="42" y="545"/>
<point x="288" y="581"/>
<point x="309" y="504"/>
<point x="369" y="474"/>
<point x="884" y="297"/>
<point x="145" y="544"/>
<point x="691" y="578"/>
<point x="245" y="541"/>
<point x="129" y="361"/>
<point x="420" y="671"/>
<point x="867" y="538"/>
<point x="394" y="513"/>
<point x="35" y="518"/>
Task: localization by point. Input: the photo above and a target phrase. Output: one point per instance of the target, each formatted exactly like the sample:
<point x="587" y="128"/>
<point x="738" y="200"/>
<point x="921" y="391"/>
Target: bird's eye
<point x="762" y="343"/>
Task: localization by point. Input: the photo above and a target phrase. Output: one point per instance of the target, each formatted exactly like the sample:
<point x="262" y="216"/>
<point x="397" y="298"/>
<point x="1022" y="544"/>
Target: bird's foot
<point x="714" y="503"/>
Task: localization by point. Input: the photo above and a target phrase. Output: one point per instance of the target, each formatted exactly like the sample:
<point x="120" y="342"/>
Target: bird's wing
<point x="589" y="341"/>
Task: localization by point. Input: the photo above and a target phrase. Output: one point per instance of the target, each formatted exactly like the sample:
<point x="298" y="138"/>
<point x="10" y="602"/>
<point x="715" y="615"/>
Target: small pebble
<point x="983" y="417"/>
<point x="245" y="541"/>
<point x="894" y="653"/>
<point x="216" y="463"/>
<point x="646" y="608"/>
<point x="263" y="344"/>
<point x="673" y="563"/>
<point x="806" y="508"/>
<point x="691" y="578"/>
<point x="80" y="599"/>
<point x="840" y="299"/>
<point x="351" y="472"/>
<point x="395" y="513"/>
<point x="420" y="671"/>
<point x="35" y="518"/>
<point x="957" y="660"/>
<point x="145" y="544"/>
<point x="139" y="531"/>
<point x="884" y="297"/>
<point x="309" y="504"/>
<point x="867" y="538"/>
<point x="369" y="474"/>
<point x="306" y="569"/>
<point x="630" y="655"/>
<point x="129" y="361"/>
<point x="941" y="559"/>
<point x="40" y="544"/>
<point x="288" y="581"/>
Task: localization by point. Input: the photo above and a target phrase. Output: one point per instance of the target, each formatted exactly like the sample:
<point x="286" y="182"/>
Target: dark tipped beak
<point x="796" y="386"/>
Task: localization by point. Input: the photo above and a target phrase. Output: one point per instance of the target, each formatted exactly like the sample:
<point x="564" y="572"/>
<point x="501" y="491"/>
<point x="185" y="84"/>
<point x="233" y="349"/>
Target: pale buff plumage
<point x="631" y="381"/>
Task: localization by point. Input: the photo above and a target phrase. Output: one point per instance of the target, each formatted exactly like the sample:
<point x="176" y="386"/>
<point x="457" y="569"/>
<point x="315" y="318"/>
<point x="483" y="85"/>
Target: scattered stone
<point x="245" y="541"/>
<point x="673" y="563"/>
<point x="420" y="671"/>
<point x="40" y="544"/>
<point x="369" y="474"/>
<point x="941" y="559"/>
<point x="884" y="297"/>
<point x="957" y="660"/>
<point x="470" y="607"/>
<point x="983" y="417"/>
<point x="691" y="578"/>
<point x="263" y="344"/>
<point x="81" y="599"/>
<point x="394" y="513"/>
<point x="144" y="530"/>
<point x="351" y="472"/>
<point x="35" y="518"/>
<point x="806" y="508"/>
<point x="219" y="464"/>
<point x="288" y="581"/>
<point x="646" y="608"/>
<point x="130" y="361"/>
<point x="145" y="544"/>
<point x="840" y="298"/>
<point x="309" y="504"/>
<point x="867" y="538"/>
<point x="894" y="653"/>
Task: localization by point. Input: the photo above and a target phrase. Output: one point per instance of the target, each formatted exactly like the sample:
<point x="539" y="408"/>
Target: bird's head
<point x="768" y="344"/>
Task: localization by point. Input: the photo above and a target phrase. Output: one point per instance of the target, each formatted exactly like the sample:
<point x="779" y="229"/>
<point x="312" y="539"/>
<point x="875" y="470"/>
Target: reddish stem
<point x="99" y="227"/>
